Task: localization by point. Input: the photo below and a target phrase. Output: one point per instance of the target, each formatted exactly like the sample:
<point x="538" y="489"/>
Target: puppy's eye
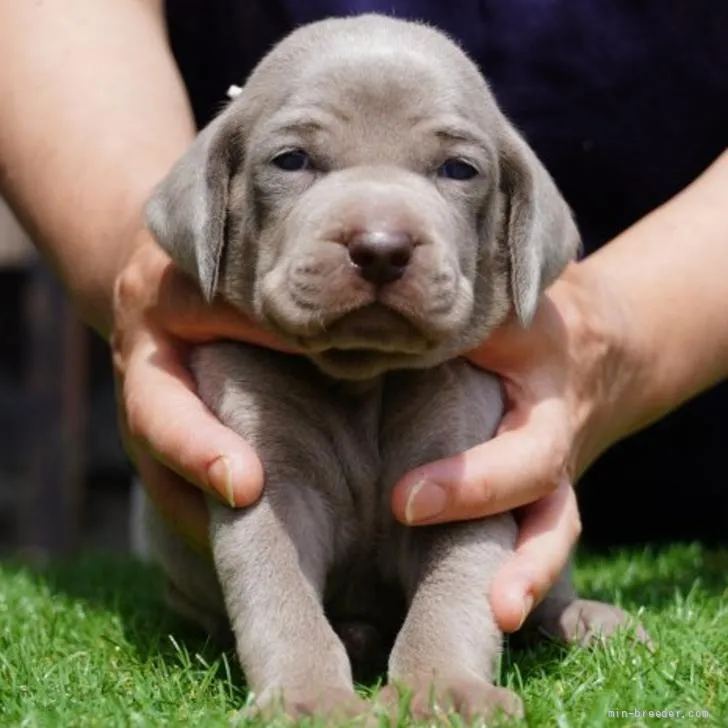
<point x="458" y="170"/>
<point x="294" y="161"/>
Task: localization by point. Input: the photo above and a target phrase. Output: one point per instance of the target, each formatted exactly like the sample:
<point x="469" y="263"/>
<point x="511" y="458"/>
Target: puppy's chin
<point x="365" y="343"/>
<point x="371" y="327"/>
<point x="356" y="365"/>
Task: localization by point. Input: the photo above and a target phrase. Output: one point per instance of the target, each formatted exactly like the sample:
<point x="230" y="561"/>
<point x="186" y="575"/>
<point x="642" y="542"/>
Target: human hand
<point x="559" y="377"/>
<point x="621" y="339"/>
<point x="172" y="437"/>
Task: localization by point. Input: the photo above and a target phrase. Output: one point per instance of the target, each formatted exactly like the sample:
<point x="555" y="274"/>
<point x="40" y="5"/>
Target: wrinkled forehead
<point x="378" y="89"/>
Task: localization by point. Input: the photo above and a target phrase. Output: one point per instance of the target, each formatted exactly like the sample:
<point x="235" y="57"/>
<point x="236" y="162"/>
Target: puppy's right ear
<point x="541" y="235"/>
<point x="188" y="209"/>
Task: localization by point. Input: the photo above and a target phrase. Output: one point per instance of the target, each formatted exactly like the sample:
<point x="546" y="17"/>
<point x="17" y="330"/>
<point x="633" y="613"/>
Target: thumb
<point x="516" y="467"/>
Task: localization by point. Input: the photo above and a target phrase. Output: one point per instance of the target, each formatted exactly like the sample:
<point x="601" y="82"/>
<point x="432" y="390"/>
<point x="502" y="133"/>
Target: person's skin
<point x="93" y="115"/>
<point x="622" y="338"/>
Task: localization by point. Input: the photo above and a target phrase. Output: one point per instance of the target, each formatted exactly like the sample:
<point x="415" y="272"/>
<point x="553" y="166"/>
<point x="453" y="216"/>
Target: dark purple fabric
<point x="625" y="101"/>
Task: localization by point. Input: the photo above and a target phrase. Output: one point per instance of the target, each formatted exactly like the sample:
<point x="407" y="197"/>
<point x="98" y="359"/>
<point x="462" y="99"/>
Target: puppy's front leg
<point x="447" y="648"/>
<point x="272" y="560"/>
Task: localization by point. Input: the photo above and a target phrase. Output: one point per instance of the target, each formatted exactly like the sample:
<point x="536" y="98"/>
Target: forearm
<point x="93" y="115"/>
<point x="667" y="277"/>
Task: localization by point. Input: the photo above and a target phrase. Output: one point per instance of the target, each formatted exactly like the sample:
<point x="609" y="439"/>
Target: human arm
<point x="621" y="339"/>
<point x="94" y="113"/>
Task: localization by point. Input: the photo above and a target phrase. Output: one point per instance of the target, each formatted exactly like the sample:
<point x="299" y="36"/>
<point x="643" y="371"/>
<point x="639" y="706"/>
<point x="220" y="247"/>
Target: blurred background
<point x="64" y="478"/>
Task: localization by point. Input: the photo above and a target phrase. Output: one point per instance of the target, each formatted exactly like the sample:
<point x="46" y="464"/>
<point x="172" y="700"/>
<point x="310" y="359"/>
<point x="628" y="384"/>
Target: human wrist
<point x="666" y="275"/>
<point x="610" y="363"/>
<point x="91" y="280"/>
<point x="88" y="250"/>
<point x="631" y="379"/>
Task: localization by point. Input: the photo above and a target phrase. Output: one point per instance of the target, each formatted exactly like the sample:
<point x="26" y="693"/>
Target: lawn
<point x="88" y="643"/>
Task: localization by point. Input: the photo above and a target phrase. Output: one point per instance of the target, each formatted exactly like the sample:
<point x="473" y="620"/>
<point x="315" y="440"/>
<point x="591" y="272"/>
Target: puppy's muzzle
<point x="369" y="271"/>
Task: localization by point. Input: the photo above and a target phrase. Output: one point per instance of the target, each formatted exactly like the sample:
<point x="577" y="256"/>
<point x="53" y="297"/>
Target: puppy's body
<point x="365" y="199"/>
<point x="323" y="533"/>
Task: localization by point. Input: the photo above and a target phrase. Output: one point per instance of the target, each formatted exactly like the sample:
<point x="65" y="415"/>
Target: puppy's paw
<point x="331" y="704"/>
<point x="585" y="622"/>
<point x="469" y="697"/>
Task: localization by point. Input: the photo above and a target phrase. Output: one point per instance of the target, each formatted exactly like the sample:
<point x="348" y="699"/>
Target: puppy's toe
<point x="585" y="622"/>
<point x="332" y="704"/>
<point x="470" y="698"/>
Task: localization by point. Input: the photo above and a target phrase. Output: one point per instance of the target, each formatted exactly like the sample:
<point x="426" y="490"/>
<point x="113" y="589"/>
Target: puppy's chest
<point x="356" y="442"/>
<point x="346" y="443"/>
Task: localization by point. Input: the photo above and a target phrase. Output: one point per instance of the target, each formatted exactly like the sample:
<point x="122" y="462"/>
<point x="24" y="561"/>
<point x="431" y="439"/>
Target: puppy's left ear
<point x="187" y="212"/>
<point x="541" y="234"/>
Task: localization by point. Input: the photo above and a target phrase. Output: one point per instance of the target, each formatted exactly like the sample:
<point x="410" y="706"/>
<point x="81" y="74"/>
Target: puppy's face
<point x="370" y="186"/>
<point x="364" y="198"/>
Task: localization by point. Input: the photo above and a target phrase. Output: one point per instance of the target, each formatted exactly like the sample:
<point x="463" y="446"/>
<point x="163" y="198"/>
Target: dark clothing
<point x="626" y="102"/>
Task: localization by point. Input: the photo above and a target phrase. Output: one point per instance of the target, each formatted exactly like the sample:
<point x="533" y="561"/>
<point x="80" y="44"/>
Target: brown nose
<point x="381" y="257"/>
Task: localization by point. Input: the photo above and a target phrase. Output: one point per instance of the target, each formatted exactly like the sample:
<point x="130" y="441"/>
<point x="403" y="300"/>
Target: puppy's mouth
<point x="367" y="342"/>
<point x="355" y="364"/>
<point x="372" y="330"/>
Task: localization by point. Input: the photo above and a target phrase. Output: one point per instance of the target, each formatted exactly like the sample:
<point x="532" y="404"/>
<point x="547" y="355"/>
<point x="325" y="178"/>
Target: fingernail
<point x="527" y="607"/>
<point x="220" y="476"/>
<point x="426" y="501"/>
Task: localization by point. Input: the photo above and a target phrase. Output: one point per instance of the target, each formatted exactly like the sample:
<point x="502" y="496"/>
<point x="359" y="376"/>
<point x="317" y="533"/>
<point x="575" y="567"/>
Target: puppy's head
<point x="364" y="198"/>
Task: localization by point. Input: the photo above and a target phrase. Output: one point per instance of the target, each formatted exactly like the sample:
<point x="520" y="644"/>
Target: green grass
<point x="89" y="644"/>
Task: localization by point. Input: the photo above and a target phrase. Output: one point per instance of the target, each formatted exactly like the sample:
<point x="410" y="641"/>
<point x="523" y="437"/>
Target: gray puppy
<point x="365" y="199"/>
